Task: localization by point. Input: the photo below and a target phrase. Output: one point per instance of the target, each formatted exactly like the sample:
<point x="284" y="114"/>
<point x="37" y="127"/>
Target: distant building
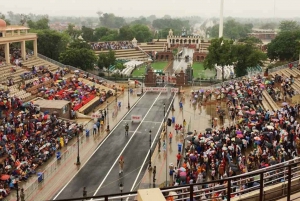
<point x="266" y="35"/>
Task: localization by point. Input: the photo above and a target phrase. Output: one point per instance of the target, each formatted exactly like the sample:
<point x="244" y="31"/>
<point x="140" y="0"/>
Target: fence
<point x="73" y="69"/>
<point x="287" y="174"/>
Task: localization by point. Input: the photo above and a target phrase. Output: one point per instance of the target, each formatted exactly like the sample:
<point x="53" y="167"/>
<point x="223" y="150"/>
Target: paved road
<point x="181" y="63"/>
<point x="101" y="173"/>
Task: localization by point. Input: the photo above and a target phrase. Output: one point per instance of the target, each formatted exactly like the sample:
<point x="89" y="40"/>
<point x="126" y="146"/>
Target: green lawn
<point x="199" y="71"/>
<point x="159" y="65"/>
<point x="139" y="71"/>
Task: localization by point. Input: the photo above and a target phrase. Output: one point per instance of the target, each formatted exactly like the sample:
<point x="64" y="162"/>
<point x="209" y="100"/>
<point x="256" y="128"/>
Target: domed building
<point x="15" y="34"/>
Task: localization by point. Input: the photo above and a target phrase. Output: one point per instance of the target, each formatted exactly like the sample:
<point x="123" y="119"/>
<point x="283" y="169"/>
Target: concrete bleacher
<point x="270" y="101"/>
<point x="157" y="46"/>
<point x="127" y="54"/>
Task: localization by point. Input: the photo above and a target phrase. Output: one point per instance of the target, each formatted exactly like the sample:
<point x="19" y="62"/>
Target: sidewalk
<point x="62" y="171"/>
<point x="197" y="119"/>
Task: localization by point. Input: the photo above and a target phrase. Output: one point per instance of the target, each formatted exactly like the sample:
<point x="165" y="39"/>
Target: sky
<point x="175" y="8"/>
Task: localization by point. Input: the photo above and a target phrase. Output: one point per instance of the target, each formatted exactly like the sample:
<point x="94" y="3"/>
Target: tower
<point x="221" y="19"/>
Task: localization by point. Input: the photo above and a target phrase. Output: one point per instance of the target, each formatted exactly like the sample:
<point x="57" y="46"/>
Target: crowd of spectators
<point x="255" y="138"/>
<point x="117" y="45"/>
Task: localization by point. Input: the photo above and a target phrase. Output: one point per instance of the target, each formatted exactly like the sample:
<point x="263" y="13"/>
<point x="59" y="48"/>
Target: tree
<point x="285" y="47"/>
<point x="106" y="59"/>
<point x="72" y="32"/>
<point x="289" y="25"/>
<point x="269" y="25"/>
<point x="39" y="24"/>
<point x="2" y="16"/>
<point x="141" y="33"/>
<point x="219" y="53"/>
<point x="79" y="44"/>
<point x="251" y="39"/>
<point x="247" y="55"/>
<point x="50" y="43"/>
<point x="82" y="58"/>
<point x="126" y="33"/>
<point x="111" y="21"/>
<point x="88" y="34"/>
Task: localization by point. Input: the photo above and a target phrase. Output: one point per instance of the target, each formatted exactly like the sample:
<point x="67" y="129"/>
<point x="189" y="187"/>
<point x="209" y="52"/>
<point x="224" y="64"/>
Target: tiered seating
<point x="271" y="102"/>
<point x="129" y="54"/>
<point x="40" y="62"/>
<point x="157" y="47"/>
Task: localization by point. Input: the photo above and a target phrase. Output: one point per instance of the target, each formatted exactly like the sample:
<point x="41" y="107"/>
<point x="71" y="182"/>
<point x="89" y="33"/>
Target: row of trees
<point x="240" y="54"/>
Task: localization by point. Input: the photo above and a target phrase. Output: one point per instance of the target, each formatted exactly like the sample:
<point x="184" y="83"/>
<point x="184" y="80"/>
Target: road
<point x="100" y="175"/>
<point x="181" y="63"/>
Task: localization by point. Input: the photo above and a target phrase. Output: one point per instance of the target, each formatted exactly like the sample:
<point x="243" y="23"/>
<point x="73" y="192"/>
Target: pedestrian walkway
<point x="197" y="118"/>
<point x="63" y="171"/>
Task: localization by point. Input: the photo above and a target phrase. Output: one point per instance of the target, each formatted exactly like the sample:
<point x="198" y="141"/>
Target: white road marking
<point x="99" y="146"/>
<point x="146" y="158"/>
<point x="117" y="159"/>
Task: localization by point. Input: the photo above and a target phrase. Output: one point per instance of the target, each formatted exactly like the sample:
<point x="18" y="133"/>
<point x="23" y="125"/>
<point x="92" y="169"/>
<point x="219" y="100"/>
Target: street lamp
<point x="78" y="157"/>
<point x="17" y="188"/>
<point x="128" y="97"/>
<point x="121" y="189"/>
<point x="107" y="112"/>
<point x="143" y="85"/>
<point x="149" y="167"/>
<point x="166" y="126"/>
<point x="116" y="96"/>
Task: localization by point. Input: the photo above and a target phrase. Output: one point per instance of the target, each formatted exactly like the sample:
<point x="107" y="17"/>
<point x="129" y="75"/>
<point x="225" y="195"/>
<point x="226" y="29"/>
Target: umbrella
<point x="4" y="177"/>
<point x="196" y="141"/>
<point x="270" y="127"/>
<point x="257" y="138"/>
<point x="275" y="120"/>
<point x="240" y="136"/>
<point x="182" y="169"/>
<point x="238" y="132"/>
<point x="173" y="194"/>
<point x="284" y="103"/>
<point x="189" y="138"/>
<point x="208" y="129"/>
<point x="182" y="174"/>
<point x="238" y="141"/>
<point x="190" y="133"/>
<point x="216" y="138"/>
<point x="219" y="145"/>
<point x="224" y="148"/>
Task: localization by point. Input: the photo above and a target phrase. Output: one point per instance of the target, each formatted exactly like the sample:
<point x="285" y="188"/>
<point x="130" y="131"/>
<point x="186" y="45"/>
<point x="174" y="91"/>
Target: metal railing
<point x="73" y="69"/>
<point x="230" y="188"/>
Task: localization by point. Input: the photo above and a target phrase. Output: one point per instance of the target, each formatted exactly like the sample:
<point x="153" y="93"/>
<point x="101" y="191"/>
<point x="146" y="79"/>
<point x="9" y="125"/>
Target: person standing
<point x="22" y="195"/>
<point x="154" y="173"/>
<point x="84" y="193"/>
<point x="126" y="130"/>
<point x="94" y="129"/>
<point x="159" y="144"/>
<point x="170" y="137"/>
<point x="178" y="158"/>
<point x="121" y="164"/>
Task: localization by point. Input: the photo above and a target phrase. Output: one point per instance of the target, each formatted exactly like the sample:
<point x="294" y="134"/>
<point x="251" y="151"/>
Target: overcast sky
<point x="128" y="8"/>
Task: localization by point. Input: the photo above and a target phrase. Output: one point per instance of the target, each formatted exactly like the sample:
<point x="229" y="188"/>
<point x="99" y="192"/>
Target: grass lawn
<point x="159" y="65"/>
<point x="199" y="71"/>
<point x="139" y="71"/>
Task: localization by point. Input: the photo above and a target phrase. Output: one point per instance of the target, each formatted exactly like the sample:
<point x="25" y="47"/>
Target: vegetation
<point x="106" y="59"/>
<point x="159" y="65"/>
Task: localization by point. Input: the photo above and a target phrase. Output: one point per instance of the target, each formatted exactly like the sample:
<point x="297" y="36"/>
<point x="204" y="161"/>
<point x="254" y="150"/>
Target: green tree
<point x="2" y="16"/>
<point x="106" y="59"/>
<point x="141" y="33"/>
<point x="88" y="34"/>
<point x="285" y="47"/>
<point x="119" y="66"/>
<point x="39" y="24"/>
<point x="79" y="44"/>
<point x="247" y="55"/>
<point x="72" y="32"/>
<point x="289" y="25"/>
<point x="101" y="32"/>
<point x="219" y="53"/>
<point x="251" y="39"/>
<point x="126" y="33"/>
<point x="111" y="21"/>
<point x="82" y="58"/>
<point x="50" y="43"/>
<point x="269" y="25"/>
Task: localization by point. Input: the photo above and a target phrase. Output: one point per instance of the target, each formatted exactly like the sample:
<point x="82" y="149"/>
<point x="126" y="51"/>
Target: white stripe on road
<point x="99" y="146"/>
<point x="133" y="186"/>
<point x="117" y="159"/>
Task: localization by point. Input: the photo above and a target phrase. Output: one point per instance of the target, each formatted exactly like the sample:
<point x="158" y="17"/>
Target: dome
<point x="2" y="23"/>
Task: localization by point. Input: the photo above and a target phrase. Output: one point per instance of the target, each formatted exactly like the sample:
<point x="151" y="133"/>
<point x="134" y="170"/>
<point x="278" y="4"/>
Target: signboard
<point x="95" y="116"/>
<point x="175" y="90"/>
<point x="136" y="118"/>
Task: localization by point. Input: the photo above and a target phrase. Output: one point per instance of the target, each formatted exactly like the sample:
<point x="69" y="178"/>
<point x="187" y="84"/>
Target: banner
<point x="160" y="89"/>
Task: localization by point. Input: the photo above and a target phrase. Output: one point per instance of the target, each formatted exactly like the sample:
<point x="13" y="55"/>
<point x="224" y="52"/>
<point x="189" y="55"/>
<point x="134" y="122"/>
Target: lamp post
<point x="78" y="157"/>
<point x="17" y="188"/>
<point x="116" y="96"/>
<point x="128" y="97"/>
<point x="166" y="126"/>
<point x="149" y="167"/>
<point x="121" y="189"/>
<point x="107" y="112"/>
<point x="143" y="85"/>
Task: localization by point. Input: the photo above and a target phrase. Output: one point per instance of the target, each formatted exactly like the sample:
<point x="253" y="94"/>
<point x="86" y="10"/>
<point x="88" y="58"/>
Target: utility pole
<point x="221" y="20"/>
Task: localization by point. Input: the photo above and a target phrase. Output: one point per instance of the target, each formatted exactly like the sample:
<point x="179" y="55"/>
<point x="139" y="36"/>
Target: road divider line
<point x="117" y="159"/>
<point x="167" y="113"/>
<point x="102" y="142"/>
